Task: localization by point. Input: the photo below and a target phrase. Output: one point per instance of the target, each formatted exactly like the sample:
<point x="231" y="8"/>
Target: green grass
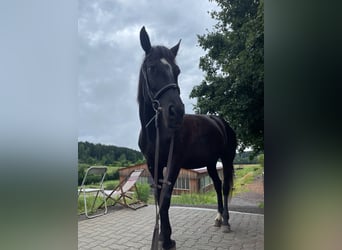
<point x="110" y="185"/>
<point x="90" y="200"/>
<point x="245" y="176"/>
<point x="208" y="198"/>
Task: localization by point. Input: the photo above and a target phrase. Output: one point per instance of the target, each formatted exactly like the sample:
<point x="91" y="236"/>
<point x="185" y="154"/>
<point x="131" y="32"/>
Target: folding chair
<point x="120" y="193"/>
<point x="99" y="173"/>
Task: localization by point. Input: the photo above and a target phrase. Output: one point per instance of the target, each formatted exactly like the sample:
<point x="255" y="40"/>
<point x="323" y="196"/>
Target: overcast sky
<point x="110" y="57"/>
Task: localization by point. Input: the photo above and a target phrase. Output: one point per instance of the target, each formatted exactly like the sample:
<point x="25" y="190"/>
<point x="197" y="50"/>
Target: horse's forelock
<point x="158" y="52"/>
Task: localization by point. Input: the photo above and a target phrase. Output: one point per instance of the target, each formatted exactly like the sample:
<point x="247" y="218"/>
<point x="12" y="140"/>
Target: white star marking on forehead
<point x="164" y="61"/>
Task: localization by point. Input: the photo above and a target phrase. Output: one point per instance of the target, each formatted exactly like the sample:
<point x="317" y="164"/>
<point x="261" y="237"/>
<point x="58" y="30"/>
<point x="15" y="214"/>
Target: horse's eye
<point x="152" y="69"/>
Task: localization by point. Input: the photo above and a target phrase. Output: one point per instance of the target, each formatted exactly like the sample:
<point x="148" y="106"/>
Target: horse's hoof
<point x="160" y="244"/>
<point x="218" y="223"/>
<point x="172" y="246"/>
<point x="226" y="229"/>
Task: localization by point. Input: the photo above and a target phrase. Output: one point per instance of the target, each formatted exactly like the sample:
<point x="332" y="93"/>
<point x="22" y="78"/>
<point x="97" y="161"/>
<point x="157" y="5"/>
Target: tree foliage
<point x="107" y="155"/>
<point x="234" y="70"/>
<point x="246" y="157"/>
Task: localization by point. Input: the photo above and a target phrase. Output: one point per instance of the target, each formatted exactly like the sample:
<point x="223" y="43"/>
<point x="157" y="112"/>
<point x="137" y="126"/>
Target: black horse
<point x="199" y="140"/>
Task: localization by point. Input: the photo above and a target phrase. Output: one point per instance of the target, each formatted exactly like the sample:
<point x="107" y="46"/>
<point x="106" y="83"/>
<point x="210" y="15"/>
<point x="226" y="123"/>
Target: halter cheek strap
<point x="154" y="97"/>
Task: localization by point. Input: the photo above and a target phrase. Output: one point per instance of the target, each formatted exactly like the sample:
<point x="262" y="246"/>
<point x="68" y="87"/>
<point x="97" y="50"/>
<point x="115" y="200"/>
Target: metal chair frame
<point x="94" y="170"/>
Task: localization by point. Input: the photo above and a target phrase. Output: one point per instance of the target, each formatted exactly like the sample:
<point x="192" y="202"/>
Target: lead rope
<point x="166" y="181"/>
<point x="154" y="245"/>
<point x="155" y="238"/>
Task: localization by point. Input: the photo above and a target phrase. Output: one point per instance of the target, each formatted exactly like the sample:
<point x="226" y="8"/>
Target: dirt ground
<point x="251" y="200"/>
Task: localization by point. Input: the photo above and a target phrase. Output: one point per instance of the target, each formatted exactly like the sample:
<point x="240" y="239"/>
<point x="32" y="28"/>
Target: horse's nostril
<point x="172" y="111"/>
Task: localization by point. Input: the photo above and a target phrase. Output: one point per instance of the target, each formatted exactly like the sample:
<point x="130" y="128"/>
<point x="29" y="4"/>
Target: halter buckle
<point x="156" y="105"/>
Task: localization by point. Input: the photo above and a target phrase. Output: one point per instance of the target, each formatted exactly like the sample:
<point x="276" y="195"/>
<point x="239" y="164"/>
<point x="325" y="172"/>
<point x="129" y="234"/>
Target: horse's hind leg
<point x="218" y="188"/>
<point x="227" y="186"/>
<point x="228" y="171"/>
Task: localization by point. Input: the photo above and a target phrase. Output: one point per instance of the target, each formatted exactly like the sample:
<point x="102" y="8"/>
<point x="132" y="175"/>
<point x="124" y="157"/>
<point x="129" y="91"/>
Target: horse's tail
<point x="228" y="152"/>
<point x="228" y="157"/>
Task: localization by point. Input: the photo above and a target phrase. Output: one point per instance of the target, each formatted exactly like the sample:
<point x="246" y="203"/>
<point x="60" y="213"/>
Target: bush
<point x="208" y="198"/>
<point x="261" y="160"/>
<point x="144" y="192"/>
<point x="114" y="175"/>
<point x="81" y="172"/>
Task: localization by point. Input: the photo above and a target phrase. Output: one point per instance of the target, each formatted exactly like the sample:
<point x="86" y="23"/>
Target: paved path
<point x="249" y="201"/>
<point x="193" y="228"/>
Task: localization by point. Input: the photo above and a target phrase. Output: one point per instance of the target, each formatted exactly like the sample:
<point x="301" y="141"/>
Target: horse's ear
<point x="145" y="40"/>
<point x="175" y="48"/>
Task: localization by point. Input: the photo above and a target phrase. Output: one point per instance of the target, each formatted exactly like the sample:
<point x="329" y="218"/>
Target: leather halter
<point x="154" y="97"/>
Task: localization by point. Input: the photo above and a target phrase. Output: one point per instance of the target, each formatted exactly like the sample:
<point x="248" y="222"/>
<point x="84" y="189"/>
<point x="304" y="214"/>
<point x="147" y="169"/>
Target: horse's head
<point x="160" y="81"/>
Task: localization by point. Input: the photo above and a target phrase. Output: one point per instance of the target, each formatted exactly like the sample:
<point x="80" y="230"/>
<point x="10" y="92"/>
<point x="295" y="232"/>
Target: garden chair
<point x="121" y="193"/>
<point x="97" y="175"/>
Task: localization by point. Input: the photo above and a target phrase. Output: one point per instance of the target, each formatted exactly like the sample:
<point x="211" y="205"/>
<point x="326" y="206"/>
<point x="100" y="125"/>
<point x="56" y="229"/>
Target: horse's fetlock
<point x="218" y="223"/>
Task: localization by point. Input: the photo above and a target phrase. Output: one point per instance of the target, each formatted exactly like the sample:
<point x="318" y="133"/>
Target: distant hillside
<point x="90" y="153"/>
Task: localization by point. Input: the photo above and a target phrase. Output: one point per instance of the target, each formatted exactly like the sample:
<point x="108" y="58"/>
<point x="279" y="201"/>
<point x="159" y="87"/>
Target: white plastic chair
<point x="100" y="172"/>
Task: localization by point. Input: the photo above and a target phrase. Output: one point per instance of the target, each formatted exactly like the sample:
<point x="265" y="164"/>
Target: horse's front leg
<point x="164" y="205"/>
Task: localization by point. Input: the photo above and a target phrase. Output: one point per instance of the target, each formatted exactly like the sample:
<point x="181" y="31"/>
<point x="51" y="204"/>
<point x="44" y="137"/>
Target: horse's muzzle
<point x="175" y="116"/>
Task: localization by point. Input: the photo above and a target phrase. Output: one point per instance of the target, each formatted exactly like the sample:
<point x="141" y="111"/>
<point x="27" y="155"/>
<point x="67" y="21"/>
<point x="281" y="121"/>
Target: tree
<point x="234" y="70"/>
<point x="106" y="154"/>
